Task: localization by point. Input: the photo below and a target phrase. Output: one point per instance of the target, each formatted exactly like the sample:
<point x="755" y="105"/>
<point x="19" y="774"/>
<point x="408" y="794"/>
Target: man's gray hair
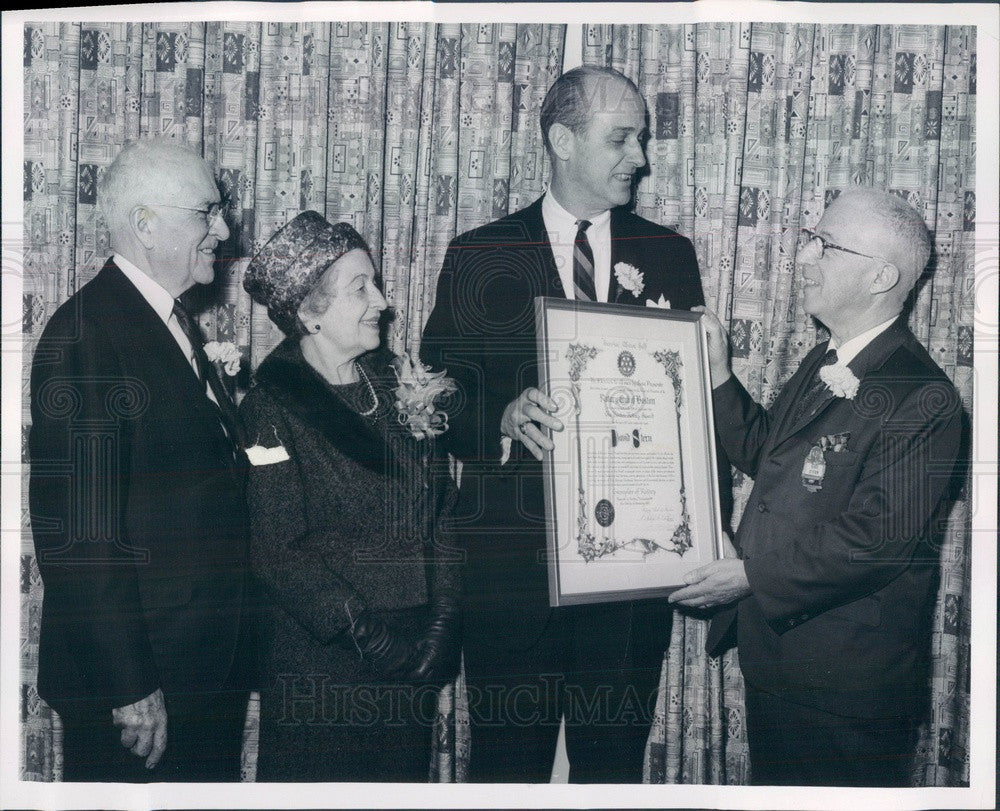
<point x="572" y="102"/>
<point x="137" y="176"/>
<point x="906" y="237"/>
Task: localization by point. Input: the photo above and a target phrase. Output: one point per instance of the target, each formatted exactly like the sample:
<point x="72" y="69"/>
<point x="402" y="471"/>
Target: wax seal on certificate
<point x="626" y="363"/>
<point x="604" y="512"/>
<point x="814" y="469"/>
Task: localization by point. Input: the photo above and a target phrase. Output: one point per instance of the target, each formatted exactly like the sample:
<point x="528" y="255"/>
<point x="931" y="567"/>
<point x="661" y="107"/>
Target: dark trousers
<point x="795" y="745"/>
<point x="204" y="741"/>
<point x="598" y="665"/>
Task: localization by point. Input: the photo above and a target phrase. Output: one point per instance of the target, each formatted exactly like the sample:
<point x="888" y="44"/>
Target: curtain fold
<point x="755" y="128"/>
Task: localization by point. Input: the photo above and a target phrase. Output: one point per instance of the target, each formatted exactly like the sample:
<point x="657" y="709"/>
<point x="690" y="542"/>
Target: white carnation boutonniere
<point x="663" y="303"/>
<point x="840" y="380"/>
<point x="417" y="394"/>
<point x="226" y="354"/>
<point x="629" y="278"/>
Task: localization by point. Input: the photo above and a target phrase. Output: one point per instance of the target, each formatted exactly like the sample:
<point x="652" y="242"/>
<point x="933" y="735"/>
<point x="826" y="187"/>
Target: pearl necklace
<point x="371" y="391"/>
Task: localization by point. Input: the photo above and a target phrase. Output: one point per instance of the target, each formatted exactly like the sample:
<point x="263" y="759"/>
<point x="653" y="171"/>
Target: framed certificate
<point x="631" y="487"/>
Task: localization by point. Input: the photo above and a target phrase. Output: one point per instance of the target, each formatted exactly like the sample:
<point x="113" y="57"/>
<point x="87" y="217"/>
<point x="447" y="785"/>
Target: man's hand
<point x="523" y="418"/>
<point x="144" y="727"/>
<point x="719" y="583"/>
<point x="718" y="346"/>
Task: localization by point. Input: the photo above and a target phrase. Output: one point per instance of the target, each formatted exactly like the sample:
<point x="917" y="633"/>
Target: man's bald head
<point x="862" y="263"/>
<point x="893" y="230"/>
<point x="146" y="172"/>
<point x="161" y="204"/>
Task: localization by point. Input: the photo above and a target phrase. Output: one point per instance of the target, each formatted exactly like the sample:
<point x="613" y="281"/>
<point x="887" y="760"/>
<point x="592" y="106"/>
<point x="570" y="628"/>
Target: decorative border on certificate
<point x="631" y="489"/>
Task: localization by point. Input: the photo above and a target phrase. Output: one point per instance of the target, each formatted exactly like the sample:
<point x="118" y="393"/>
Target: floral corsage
<point x="630" y="278"/>
<point x="418" y="390"/>
<point x="225" y="354"/>
<point x="840" y="380"/>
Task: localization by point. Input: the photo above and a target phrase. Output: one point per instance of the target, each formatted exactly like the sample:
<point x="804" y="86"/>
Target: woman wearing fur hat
<point x="348" y="505"/>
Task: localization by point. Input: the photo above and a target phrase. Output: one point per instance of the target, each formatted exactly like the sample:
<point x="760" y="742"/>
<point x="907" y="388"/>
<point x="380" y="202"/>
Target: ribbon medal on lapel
<point x="814" y="467"/>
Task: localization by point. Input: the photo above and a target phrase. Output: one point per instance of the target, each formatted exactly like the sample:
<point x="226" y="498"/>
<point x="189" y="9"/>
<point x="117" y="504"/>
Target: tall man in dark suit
<point x="136" y="495"/>
<point x="837" y="569"/>
<point x="527" y="664"/>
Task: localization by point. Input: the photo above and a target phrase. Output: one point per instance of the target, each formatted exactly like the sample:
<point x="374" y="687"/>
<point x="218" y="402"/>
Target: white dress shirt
<point x="850" y="350"/>
<point x="561" y="228"/>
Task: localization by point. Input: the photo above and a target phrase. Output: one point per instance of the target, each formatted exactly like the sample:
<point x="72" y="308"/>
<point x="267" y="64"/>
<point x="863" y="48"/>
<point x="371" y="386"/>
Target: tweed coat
<point x="351" y="520"/>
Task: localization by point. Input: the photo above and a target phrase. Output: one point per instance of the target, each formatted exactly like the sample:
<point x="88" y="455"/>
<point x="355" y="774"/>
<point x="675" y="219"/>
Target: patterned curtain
<point x="755" y="128"/>
<point x="411" y="132"/>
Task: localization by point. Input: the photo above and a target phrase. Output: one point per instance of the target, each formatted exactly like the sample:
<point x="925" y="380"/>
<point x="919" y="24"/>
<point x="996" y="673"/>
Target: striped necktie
<point x="583" y="265"/>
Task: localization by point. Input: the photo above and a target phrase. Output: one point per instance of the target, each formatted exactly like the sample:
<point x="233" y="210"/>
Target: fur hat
<point x="293" y="261"/>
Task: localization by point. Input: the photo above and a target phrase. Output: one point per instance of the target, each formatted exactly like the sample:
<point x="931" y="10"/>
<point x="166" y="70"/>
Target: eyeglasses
<point x="807" y="236"/>
<point x="211" y="214"/>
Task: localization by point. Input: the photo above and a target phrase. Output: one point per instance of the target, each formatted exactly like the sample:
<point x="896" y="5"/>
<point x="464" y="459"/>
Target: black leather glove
<point x="440" y="650"/>
<point x="388" y="653"/>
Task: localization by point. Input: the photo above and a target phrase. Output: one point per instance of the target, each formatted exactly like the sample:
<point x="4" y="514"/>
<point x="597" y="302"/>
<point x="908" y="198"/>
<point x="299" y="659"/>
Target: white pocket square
<point x="259" y="455"/>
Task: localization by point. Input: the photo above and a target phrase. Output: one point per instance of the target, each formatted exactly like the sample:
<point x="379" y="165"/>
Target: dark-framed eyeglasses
<point x="807" y="236"/>
<point x="211" y="214"/>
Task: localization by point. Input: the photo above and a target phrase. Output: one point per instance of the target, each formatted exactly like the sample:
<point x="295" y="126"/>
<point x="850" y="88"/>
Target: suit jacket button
<point x="762" y="507"/>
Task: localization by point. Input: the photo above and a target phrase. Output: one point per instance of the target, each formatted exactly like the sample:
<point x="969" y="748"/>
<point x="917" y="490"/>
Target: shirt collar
<point x="159" y="299"/>
<point x="850" y="350"/>
<point x="554" y="213"/>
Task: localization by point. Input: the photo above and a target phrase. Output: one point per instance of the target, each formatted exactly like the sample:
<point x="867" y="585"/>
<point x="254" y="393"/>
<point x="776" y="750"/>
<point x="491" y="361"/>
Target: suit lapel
<point x="875" y="355"/>
<point x="139" y="318"/>
<point x="625" y="247"/>
<point x="800" y="384"/>
<point x="144" y="331"/>
<point x="868" y="359"/>
<point x="620" y="252"/>
<point x="538" y="240"/>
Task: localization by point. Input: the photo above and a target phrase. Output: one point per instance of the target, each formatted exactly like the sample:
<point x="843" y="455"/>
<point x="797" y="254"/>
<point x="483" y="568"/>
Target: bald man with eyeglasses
<point x="833" y="577"/>
<point x="136" y="493"/>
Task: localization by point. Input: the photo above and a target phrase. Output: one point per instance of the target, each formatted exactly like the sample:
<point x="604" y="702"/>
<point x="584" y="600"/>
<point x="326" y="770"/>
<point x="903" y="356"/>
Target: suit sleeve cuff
<point x="778" y="614"/>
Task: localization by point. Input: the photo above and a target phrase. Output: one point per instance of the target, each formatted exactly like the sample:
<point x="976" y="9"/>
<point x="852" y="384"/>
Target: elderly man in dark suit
<point x="837" y="569"/>
<point x="136" y="494"/>
<point x="527" y="665"/>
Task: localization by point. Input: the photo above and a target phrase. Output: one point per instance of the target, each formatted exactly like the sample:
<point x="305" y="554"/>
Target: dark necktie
<point x="816" y="390"/>
<point x="583" y="265"/>
<point x="206" y="371"/>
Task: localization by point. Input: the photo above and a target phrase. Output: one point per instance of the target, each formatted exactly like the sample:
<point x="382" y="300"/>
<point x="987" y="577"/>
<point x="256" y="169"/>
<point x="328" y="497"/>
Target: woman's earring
<point x="315" y="327"/>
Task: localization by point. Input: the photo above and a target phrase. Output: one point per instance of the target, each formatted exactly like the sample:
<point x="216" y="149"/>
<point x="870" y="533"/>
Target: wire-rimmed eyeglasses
<point x="807" y="236"/>
<point x="212" y="214"/>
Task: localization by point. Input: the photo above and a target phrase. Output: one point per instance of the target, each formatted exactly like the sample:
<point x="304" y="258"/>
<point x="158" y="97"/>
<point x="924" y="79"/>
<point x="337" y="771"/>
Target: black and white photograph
<point x="451" y="404"/>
